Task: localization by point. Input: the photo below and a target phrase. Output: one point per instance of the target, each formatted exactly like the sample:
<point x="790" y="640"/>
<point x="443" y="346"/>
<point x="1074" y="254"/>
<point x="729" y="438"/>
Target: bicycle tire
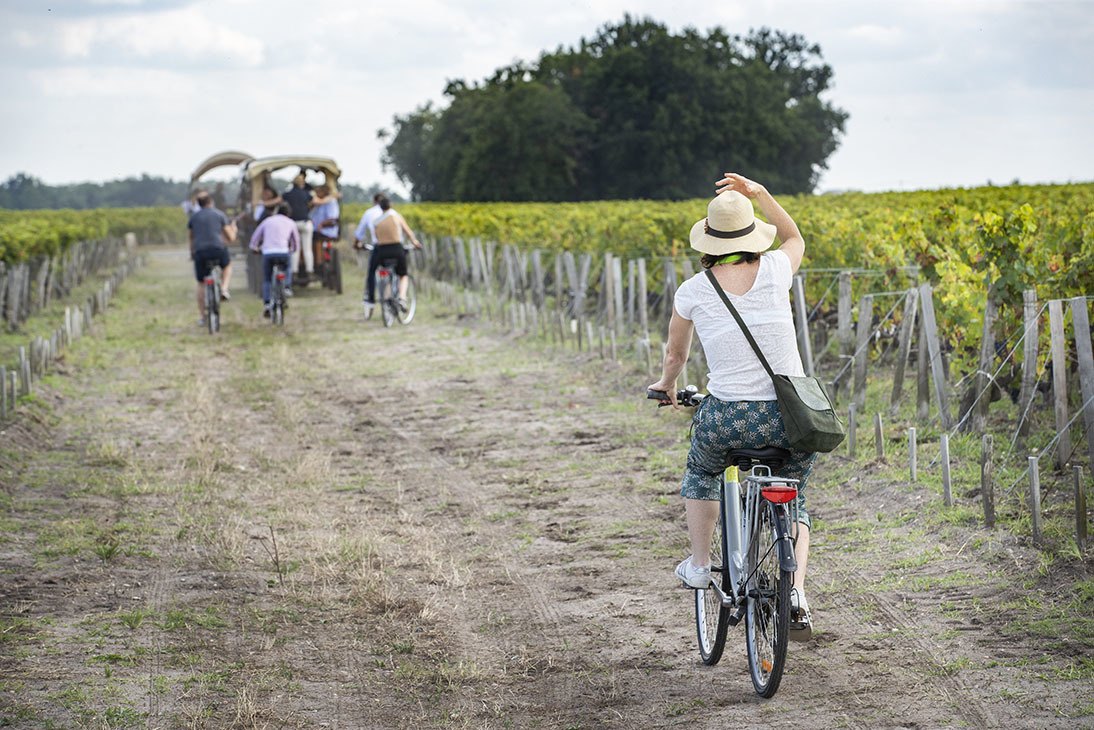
<point x="212" y="308"/>
<point x="277" y="303"/>
<point x="711" y="617"/>
<point x="406" y="315"/>
<point x="385" y="298"/>
<point x="336" y="273"/>
<point x="767" y="617"/>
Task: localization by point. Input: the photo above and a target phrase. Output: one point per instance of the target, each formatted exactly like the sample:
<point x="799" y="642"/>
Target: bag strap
<point x="741" y="322"/>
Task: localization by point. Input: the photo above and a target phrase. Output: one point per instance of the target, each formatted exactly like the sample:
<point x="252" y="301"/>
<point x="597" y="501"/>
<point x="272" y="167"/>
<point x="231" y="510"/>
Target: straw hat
<point x="731" y="226"/>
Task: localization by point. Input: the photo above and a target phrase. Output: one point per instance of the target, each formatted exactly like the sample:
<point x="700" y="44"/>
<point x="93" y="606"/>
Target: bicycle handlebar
<point x="689" y="396"/>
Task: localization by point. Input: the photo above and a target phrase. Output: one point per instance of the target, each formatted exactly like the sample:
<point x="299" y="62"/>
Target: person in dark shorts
<point x="387" y="231"/>
<point x="210" y="232"/>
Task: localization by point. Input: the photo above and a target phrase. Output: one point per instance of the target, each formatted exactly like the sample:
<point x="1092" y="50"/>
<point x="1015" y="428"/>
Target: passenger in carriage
<point x="300" y="199"/>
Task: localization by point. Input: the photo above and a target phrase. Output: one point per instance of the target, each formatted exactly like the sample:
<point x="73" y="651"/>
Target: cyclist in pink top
<point x="277" y="237"/>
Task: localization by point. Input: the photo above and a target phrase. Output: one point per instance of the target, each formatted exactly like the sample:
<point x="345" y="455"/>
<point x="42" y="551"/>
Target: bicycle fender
<point x="787" y="561"/>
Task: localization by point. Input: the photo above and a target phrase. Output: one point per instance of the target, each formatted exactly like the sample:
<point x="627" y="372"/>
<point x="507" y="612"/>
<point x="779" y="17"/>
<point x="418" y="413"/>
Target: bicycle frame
<point x="737" y="533"/>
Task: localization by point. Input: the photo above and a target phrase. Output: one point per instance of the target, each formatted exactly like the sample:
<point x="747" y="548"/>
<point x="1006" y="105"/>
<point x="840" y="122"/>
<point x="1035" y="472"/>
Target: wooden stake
<point x="987" y="486"/>
<point x="879" y="437"/>
<point x="1035" y="497"/>
<point x="947" y="486"/>
<point x="1080" y="508"/>
<point x="1080" y="326"/>
<point x="913" y="457"/>
<point x="1058" y="345"/>
<point x="1029" y="362"/>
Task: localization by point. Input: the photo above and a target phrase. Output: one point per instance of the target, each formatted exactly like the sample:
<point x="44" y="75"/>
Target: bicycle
<point x="277" y="295"/>
<point x="387" y="295"/>
<point x="752" y="559"/>
<point x="212" y="300"/>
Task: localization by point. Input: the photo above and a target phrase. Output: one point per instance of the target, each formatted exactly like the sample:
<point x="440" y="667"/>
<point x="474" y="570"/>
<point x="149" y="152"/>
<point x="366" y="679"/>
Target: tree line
<point x="25" y="192"/>
<point x="635" y="112"/>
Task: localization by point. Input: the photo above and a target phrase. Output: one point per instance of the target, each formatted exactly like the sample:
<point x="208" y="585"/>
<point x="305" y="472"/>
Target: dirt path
<point x="341" y="526"/>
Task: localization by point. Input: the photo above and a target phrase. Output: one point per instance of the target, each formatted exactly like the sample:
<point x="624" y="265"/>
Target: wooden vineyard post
<point x="947" y="486"/>
<point x="559" y="299"/>
<point x="852" y="430"/>
<point x="630" y="294"/>
<point x="616" y="276"/>
<point x="913" y="456"/>
<point x="670" y="288"/>
<point x="922" y="368"/>
<point x="843" y="327"/>
<point x="1029" y="361"/>
<point x="1080" y="508"/>
<point x="607" y="292"/>
<point x="801" y="320"/>
<point x="983" y="382"/>
<point x="643" y="302"/>
<point x="1080" y="325"/>
<point x="538" y="291"/>
<point x="907" y="329"/>
<point x="862" y="347"/>
<point x="987" y="486"/>
<point x="879" y="437"/>
<point x="934" y="350"/>
<point x="1059" y="379"/>
<point x="1035" y="497"/>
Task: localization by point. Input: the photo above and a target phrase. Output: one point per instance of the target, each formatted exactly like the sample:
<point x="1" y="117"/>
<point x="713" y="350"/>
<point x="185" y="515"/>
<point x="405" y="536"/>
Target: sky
<point x="941" y="93"/>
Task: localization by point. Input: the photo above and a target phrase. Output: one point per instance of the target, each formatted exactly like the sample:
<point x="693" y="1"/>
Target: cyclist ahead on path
<point x="277" y="237"/>
<point x="210" y="234"/>
<point x="363" y="228"/>
<point x="387" y="230"/>
<point x="741" y="411"/>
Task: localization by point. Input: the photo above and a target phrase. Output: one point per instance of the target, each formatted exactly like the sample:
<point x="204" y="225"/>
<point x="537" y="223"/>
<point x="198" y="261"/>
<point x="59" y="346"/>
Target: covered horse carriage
<point x="254" y="176"/>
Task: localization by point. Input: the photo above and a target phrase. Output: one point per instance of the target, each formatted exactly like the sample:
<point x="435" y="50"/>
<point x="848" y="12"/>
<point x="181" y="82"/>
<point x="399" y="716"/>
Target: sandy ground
<point x="336" y="525"/>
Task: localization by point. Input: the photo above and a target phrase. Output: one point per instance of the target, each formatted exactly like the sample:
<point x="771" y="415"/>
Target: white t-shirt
<point x="735" y="372"/>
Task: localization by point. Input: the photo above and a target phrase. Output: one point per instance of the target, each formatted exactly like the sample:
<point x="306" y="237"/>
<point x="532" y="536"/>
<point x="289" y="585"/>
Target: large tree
<point x="636" y="111"/>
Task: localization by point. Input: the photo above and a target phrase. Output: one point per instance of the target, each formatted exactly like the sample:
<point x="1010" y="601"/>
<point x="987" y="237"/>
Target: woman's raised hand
<point x="738" y="183"/>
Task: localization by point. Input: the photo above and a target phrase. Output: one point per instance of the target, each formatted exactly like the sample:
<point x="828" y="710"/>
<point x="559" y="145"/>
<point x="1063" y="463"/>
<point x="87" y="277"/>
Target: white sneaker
<point x="693" y="576"/>
<point x="801" y="620"/>
<point x="368" y="310"/>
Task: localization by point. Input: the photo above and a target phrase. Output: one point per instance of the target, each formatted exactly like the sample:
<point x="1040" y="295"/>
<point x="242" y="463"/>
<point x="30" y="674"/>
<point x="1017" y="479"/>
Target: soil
<point x="337" y="525"/>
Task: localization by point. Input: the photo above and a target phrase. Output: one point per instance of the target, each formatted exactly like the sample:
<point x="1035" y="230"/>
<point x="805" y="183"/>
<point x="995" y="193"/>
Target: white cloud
<point x="879" y="35"/>
<point x="184" y="36"/>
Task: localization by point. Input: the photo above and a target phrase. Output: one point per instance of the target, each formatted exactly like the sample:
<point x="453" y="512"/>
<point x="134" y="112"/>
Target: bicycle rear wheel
<point x="212" y="307"/>
<point x="768" y="616"/>
<point x="711" y="617"/>
<point x="277" y="299"/>
<point x="385" y="298"/>
<point x="405" y="315"/>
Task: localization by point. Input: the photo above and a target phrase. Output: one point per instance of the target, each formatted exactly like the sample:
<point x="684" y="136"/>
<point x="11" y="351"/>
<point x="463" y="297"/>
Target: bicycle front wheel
<point x="407" y="313"/>
<point x="768" y="616"/>
<point x="711" y="617"/>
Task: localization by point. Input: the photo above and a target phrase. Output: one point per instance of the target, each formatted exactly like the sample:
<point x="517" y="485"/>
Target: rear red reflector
<point x="281" y="277"/>
<point x="383" y="274"/>
<point x="779" y="493"/>
<point x="208" y="280"/>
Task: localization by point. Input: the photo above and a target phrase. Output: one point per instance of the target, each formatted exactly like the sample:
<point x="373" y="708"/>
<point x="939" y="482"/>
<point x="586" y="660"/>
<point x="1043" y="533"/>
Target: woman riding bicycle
<point x="741" y="411"/>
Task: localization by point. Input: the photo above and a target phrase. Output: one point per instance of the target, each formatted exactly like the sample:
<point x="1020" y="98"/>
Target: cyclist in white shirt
<point x="741" y="410"/>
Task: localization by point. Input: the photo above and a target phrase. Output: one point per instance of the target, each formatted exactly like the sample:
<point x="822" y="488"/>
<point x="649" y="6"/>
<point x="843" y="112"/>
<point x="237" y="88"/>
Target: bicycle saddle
<point x="770" y="456"/>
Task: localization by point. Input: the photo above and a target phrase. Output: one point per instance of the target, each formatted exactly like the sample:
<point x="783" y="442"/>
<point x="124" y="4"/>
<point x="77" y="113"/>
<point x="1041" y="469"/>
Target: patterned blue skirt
<point x="719" y="426"/>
